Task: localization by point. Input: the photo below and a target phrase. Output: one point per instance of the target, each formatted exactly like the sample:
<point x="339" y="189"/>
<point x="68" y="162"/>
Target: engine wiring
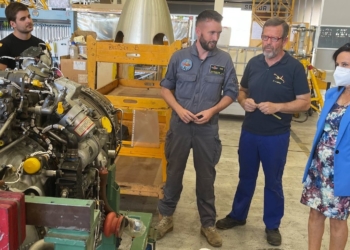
<point x="19" y="173"/>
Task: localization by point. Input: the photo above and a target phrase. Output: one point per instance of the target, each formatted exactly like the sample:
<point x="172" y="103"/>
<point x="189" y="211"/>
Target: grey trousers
<point x="206" y="145"/>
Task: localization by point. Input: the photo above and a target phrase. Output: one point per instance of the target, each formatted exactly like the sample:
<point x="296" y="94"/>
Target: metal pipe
<point x="7" y="123"/>
<point x="298" y="11"/>
<point x="98" y="183"/>
<point x="276" y="12"/>
<point x="121" y="123"/>
<point x="49" y="110"/>
<point x="20" y="104"/>
<point x="313" y="3"/>
<point x="13" y="143"/>
<point x="304" y="10"/>
<point x="43" y="110"/>
<point x="53" y="126"/>
<point x="57" y="137"/>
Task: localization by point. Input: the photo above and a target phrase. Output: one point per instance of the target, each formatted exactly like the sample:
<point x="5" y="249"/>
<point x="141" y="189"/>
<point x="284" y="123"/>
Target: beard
<point x="26" y="30"/>
<point x="208" y="46"/>
<point x="272" y="53"/>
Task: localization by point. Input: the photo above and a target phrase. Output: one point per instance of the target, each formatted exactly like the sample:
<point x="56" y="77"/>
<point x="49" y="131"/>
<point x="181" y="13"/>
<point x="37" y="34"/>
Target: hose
<point x="42" y="245"/>
<point x="103" y="190"/>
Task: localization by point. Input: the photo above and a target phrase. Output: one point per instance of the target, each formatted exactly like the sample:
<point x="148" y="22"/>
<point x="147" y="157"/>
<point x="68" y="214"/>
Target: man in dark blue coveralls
<point x="204" y="83"/>
<point x="273" y="87"/>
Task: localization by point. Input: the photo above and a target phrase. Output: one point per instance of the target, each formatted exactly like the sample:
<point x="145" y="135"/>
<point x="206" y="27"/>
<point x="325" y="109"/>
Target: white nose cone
<point x="145" y="22"/>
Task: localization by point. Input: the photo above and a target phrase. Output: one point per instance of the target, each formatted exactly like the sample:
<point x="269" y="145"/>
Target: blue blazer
<point x="342" y="147"/>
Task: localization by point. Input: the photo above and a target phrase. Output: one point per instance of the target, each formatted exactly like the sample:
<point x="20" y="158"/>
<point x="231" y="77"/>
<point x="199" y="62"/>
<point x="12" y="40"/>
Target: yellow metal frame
<point x="275" y="10"/>
<point x="317" y="82"/>
<point x="122" y="53"/>
<point x="309" y="31"/>
<point x="279" y="8"/>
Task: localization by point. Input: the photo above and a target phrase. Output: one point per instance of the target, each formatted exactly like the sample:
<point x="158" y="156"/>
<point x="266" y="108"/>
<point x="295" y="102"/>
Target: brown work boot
<point x="213" y="237"/>
<point x="164" y="226"/>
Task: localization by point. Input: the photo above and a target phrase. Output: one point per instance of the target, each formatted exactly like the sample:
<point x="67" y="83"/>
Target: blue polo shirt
<point x="200" y="85"/>
<point x="279" y="83"/>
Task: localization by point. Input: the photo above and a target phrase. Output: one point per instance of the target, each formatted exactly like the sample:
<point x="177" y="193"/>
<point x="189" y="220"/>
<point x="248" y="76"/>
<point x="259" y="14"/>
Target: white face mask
<point x="342" y="76"/>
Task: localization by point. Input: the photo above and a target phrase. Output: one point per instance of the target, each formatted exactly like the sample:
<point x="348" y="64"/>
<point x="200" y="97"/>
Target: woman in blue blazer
<point x="327" y="173"/>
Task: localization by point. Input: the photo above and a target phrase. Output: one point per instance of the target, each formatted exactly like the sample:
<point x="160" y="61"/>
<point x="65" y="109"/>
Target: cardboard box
<point x="115" y="8"/>
<point x="109" y="4"/>
<point x="83" y="33"/>
<point x="75" y="69"/>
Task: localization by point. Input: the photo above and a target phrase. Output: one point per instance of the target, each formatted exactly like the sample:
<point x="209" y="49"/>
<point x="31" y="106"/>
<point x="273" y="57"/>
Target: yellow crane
<point x="277" y="8"/>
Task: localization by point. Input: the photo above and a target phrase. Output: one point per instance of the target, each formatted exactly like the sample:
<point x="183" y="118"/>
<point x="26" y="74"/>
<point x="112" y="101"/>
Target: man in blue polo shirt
<point x="199" y="83"/>
<point x="273" y="87"/>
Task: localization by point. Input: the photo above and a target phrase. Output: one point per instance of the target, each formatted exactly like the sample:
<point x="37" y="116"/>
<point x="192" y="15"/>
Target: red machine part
<point x="113" y="225"/>
<point x="12" y="220"/>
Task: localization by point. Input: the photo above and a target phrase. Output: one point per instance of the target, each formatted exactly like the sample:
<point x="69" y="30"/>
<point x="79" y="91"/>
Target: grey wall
<point x="189" y="8"/>
<point x="334" y="14"/>
<point x="324" y="61"/>
<point x="308" y="11"/>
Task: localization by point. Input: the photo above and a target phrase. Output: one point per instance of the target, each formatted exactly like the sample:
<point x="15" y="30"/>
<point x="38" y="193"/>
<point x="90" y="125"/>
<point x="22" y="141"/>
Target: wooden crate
<point x="130" y="94"/>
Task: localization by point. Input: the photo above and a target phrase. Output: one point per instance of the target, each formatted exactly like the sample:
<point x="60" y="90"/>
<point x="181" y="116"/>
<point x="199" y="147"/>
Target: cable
<point x="301" y="121"/>
<point x="18" y="173"/>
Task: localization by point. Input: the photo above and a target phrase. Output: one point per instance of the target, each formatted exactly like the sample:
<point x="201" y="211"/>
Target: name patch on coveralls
<point x="218" y="70"/>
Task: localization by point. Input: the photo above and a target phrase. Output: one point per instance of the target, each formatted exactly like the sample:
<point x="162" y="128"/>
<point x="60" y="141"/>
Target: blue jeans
<point x="271" y="151"/>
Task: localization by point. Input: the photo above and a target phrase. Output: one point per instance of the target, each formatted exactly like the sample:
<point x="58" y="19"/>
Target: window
<point x="239" y="21"/>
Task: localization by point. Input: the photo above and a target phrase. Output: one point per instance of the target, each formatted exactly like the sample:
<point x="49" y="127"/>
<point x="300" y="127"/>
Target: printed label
<point x="79" y="65"/>
<point x="82" y="78"/>
<point x="83" y="126"/>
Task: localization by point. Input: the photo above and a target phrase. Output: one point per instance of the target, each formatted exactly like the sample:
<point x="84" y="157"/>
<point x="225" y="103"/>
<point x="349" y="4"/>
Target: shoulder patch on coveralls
<point x="186" y="64"/>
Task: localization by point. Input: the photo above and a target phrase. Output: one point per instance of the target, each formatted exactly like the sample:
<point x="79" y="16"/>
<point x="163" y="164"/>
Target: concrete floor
<point x="186" y="234"/>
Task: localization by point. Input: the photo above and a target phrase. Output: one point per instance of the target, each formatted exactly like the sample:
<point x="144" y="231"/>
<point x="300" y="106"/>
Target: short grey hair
<point x="276" y="21"/>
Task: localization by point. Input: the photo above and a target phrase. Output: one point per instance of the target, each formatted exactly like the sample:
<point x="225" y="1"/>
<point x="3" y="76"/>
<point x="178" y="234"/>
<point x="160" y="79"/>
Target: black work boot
<point x="273" y="237"/>
<point x="228" y="222"/>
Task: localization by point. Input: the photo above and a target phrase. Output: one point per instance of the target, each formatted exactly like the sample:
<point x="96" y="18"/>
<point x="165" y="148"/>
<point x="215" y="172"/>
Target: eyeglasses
<point x="273" y="39"/>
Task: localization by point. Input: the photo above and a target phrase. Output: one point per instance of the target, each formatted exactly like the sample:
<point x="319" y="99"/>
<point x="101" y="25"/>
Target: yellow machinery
<point x="316" y="79"/>
<point x="41" y="4"/>
<point x="301" y="48"/>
